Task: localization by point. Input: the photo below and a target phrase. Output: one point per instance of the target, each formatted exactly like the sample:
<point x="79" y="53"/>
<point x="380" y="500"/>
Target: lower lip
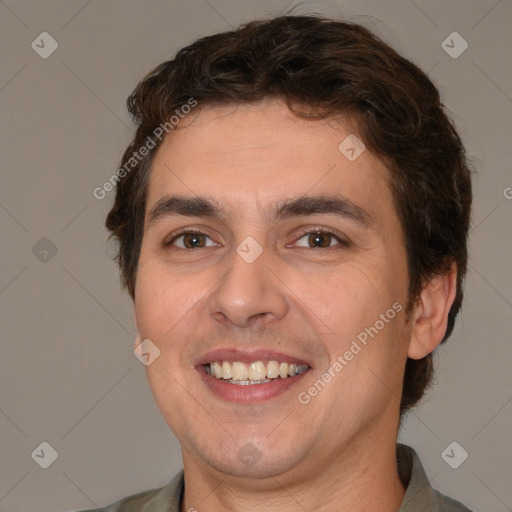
<point x="250" y="392"/>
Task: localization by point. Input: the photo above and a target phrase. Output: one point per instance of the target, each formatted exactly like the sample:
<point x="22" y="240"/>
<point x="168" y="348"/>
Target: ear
<point x="430" y="316"/>
<point x="137" y="335"/>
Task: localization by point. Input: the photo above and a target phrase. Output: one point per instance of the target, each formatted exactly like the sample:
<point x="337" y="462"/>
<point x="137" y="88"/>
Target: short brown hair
<point x="332" y="67"/>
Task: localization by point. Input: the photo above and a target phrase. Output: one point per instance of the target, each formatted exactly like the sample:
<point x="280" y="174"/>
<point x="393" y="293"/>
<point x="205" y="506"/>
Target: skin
<point x="338" y="451"/>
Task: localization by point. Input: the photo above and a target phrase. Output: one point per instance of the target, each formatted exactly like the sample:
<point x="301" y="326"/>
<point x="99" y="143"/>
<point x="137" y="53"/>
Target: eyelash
<point x="316" y="231"/>
<point x="342" y="242"/>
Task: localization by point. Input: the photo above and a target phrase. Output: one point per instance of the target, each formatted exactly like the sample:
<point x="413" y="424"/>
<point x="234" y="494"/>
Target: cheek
<point x="358" y="310"/>
<point x="170" y="307"/>
<point x="159" y="299"/>
<point x="350" y="295"/>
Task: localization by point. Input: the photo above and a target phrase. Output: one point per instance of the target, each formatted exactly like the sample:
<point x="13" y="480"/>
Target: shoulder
<point x="163" y="499"/>
<point x="447" y="504"/>
<point x="420" y="496"/>
<point x="131" y="503"/>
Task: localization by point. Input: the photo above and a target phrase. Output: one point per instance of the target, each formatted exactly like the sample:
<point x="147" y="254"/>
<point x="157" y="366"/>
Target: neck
<point x="363" y="476"/>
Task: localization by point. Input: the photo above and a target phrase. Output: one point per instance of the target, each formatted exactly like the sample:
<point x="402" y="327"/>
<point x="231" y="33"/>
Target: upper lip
<point x="248" y="356"/>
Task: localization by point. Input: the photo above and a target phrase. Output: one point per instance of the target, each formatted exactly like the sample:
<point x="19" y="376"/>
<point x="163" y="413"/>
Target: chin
<point x="252" y="457"/>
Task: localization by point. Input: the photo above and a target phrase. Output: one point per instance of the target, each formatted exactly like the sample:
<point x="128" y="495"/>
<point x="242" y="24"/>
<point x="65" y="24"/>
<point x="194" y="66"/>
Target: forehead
<point x="250" y="156"/>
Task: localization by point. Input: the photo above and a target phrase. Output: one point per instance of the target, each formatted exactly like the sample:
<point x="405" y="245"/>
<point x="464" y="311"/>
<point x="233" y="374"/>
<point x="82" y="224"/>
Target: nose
<point x="249" y="293"/>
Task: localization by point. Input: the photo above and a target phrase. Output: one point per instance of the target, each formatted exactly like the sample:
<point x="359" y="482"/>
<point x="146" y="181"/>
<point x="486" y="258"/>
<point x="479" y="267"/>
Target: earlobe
<point x="430" y="316"/>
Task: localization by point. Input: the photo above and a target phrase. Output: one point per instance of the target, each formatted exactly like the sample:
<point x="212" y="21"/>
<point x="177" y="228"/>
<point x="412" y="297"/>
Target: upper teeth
<point x="256" y="371"/>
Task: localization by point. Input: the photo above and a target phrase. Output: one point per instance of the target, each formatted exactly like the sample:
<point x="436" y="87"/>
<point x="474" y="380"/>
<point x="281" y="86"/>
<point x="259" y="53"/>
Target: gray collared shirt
<point x="419" y="497"/>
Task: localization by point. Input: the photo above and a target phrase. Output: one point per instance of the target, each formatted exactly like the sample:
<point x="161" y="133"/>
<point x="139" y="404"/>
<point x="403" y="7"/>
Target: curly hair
<point x="321" y="68"/>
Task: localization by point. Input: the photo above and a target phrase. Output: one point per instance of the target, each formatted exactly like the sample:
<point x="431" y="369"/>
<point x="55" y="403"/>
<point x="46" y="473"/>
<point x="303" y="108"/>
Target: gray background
<point x="67" y="372"/>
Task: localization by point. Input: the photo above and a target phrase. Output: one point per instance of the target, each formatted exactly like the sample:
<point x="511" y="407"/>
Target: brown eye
<point x="191" y="240"/>
<point x="320" y="240"/>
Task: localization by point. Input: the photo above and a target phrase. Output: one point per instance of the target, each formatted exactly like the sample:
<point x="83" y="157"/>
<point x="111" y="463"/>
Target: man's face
<point x="258" y="284"/>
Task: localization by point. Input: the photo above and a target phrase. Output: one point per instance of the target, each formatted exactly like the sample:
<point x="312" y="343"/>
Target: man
<point x="292" y="218"/>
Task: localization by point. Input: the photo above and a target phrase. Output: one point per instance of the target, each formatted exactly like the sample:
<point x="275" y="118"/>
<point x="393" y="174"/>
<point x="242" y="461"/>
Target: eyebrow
<point x="170" y="206"/>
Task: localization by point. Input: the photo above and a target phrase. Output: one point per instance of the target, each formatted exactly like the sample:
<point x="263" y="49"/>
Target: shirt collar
<point x="419" y="494"/>
<point x="169" y="498"/>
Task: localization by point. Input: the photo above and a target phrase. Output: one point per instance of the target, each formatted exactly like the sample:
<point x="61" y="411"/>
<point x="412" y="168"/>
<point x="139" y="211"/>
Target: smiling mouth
<point x="257" y="372"/>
